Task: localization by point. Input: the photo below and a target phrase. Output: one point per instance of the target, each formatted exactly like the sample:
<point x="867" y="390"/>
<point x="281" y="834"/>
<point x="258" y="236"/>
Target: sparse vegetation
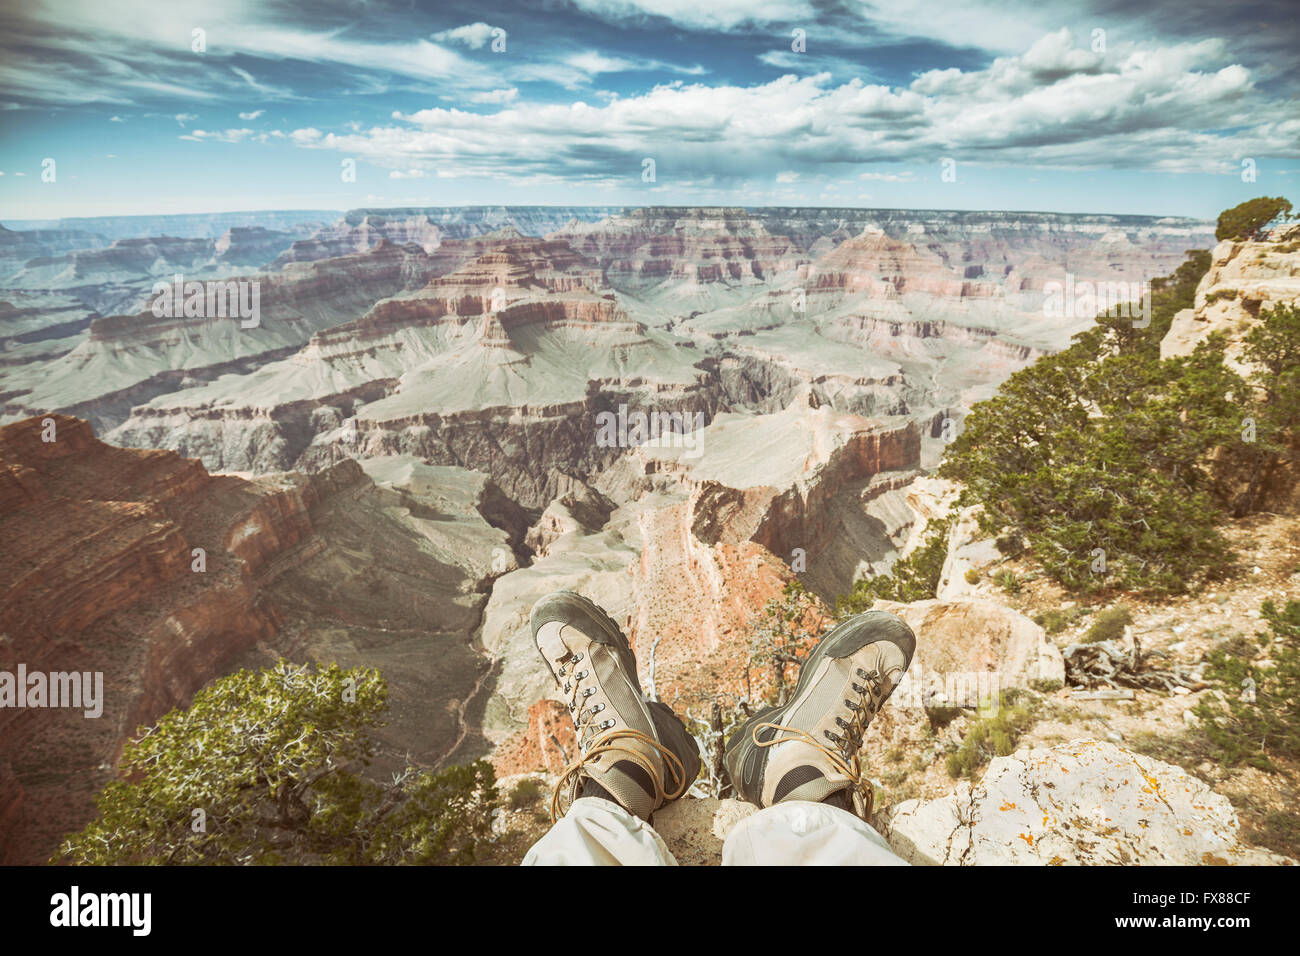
<point x="1108" y="625"/>
<point x="996" y="736"/>
<point x="264" y="767"/>
<point x="1056" y="620"/>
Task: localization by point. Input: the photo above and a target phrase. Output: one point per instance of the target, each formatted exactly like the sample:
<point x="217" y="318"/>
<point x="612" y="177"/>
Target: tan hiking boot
<point x="631" y="750"/>
<point x="808" y="748"/>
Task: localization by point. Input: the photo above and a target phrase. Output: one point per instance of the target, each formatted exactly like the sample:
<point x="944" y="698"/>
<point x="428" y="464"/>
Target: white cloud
<point x="1151" y="107"/>
<point x="591" y="63"/>
<point x="184" y="118"/>
<point x="219" y="136"/>
<point x="495" y="96"/>
<point x="712" y="14"/>
<point x="472" y="35"/>
<point x="407" y="174"/>
<point x="116" y="119"/>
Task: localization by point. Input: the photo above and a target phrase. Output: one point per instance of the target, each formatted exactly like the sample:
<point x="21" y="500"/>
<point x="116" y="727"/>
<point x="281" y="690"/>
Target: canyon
<point x="402" y="456"/>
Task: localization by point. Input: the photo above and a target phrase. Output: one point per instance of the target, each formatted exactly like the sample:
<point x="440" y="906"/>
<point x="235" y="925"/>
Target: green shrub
<point x="913" y="578"/>
<point x="1257" y="732"/>
<point x="996" y="736"/>
<point x="1221" y="294"/>
<point x="1108" y="625"/>
<point x="1248" y="220"/>
<point x="1055" y="620"/>
<point x="525" y="793"/>
<point x="264" y="768"/>
<point x="1272" y="345"/>
<point x="1008" y="581"/>
<point x="972" y="576"/>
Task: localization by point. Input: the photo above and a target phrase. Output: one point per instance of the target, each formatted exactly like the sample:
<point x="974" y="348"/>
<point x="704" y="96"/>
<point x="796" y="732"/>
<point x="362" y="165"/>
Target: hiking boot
<point x="633" y="751"/>
<point x="808" y="748"/>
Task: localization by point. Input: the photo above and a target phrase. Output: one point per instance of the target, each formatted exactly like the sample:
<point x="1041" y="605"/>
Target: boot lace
<point x="599" y="737"/>
<point x="843" y="756"/>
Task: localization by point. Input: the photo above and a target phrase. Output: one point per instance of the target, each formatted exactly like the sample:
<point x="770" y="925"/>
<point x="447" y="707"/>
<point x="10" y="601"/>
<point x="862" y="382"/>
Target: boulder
<point x="1085" y="802"/>
<point x="974" y="644"/>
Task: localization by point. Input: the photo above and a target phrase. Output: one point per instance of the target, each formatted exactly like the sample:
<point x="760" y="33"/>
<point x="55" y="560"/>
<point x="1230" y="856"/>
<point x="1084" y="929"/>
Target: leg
<point x="800" y="833"/>
<point x="799" y="762"/>
<point x="598" y="832"/>
<point x="634" y="755"/>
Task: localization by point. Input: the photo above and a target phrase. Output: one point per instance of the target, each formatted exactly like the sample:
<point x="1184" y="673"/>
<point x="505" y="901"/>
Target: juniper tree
<point x="267" y="767"/>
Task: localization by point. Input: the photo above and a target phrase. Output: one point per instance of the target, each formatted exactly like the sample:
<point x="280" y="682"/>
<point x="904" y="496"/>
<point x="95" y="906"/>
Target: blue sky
<point x="1048" y="105"/>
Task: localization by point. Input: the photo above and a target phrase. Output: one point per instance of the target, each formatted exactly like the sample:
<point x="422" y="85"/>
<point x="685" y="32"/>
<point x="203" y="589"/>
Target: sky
<point x="1170" y="107"/>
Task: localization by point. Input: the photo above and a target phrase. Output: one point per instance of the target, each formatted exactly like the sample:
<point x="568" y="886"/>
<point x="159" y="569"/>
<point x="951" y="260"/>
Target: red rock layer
<point x="98" y="575"/>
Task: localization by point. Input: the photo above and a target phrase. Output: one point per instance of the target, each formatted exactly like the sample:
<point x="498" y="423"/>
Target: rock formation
<point x="1086" y="803"/>
<point x="143" y="567"/>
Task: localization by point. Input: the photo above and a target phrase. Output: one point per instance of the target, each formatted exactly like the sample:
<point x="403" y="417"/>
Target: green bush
<point x="913" y="578"/>
<point x="1247" y="220"/>
<point x="525" y="793"/>
<point x="264" y="768"/>
<point x="1257" y="732"/>
<point x="1273" y="346"/>
<point x="1108" y="625"/>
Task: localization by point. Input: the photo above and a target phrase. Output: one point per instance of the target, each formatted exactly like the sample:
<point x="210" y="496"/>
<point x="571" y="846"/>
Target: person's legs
<point x="799" y="762"/>
<point x="635" y="755"/>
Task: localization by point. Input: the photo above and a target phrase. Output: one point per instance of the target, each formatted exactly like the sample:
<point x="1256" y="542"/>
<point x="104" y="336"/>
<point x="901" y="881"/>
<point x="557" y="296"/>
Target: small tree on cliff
<point x="1247" y="220"/>
<point x="787" y="630"/>
<point x="264" y="767"/>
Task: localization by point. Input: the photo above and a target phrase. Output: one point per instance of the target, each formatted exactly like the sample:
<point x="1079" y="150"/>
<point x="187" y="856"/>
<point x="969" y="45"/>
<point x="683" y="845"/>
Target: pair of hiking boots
<point x="638" y="753"/>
